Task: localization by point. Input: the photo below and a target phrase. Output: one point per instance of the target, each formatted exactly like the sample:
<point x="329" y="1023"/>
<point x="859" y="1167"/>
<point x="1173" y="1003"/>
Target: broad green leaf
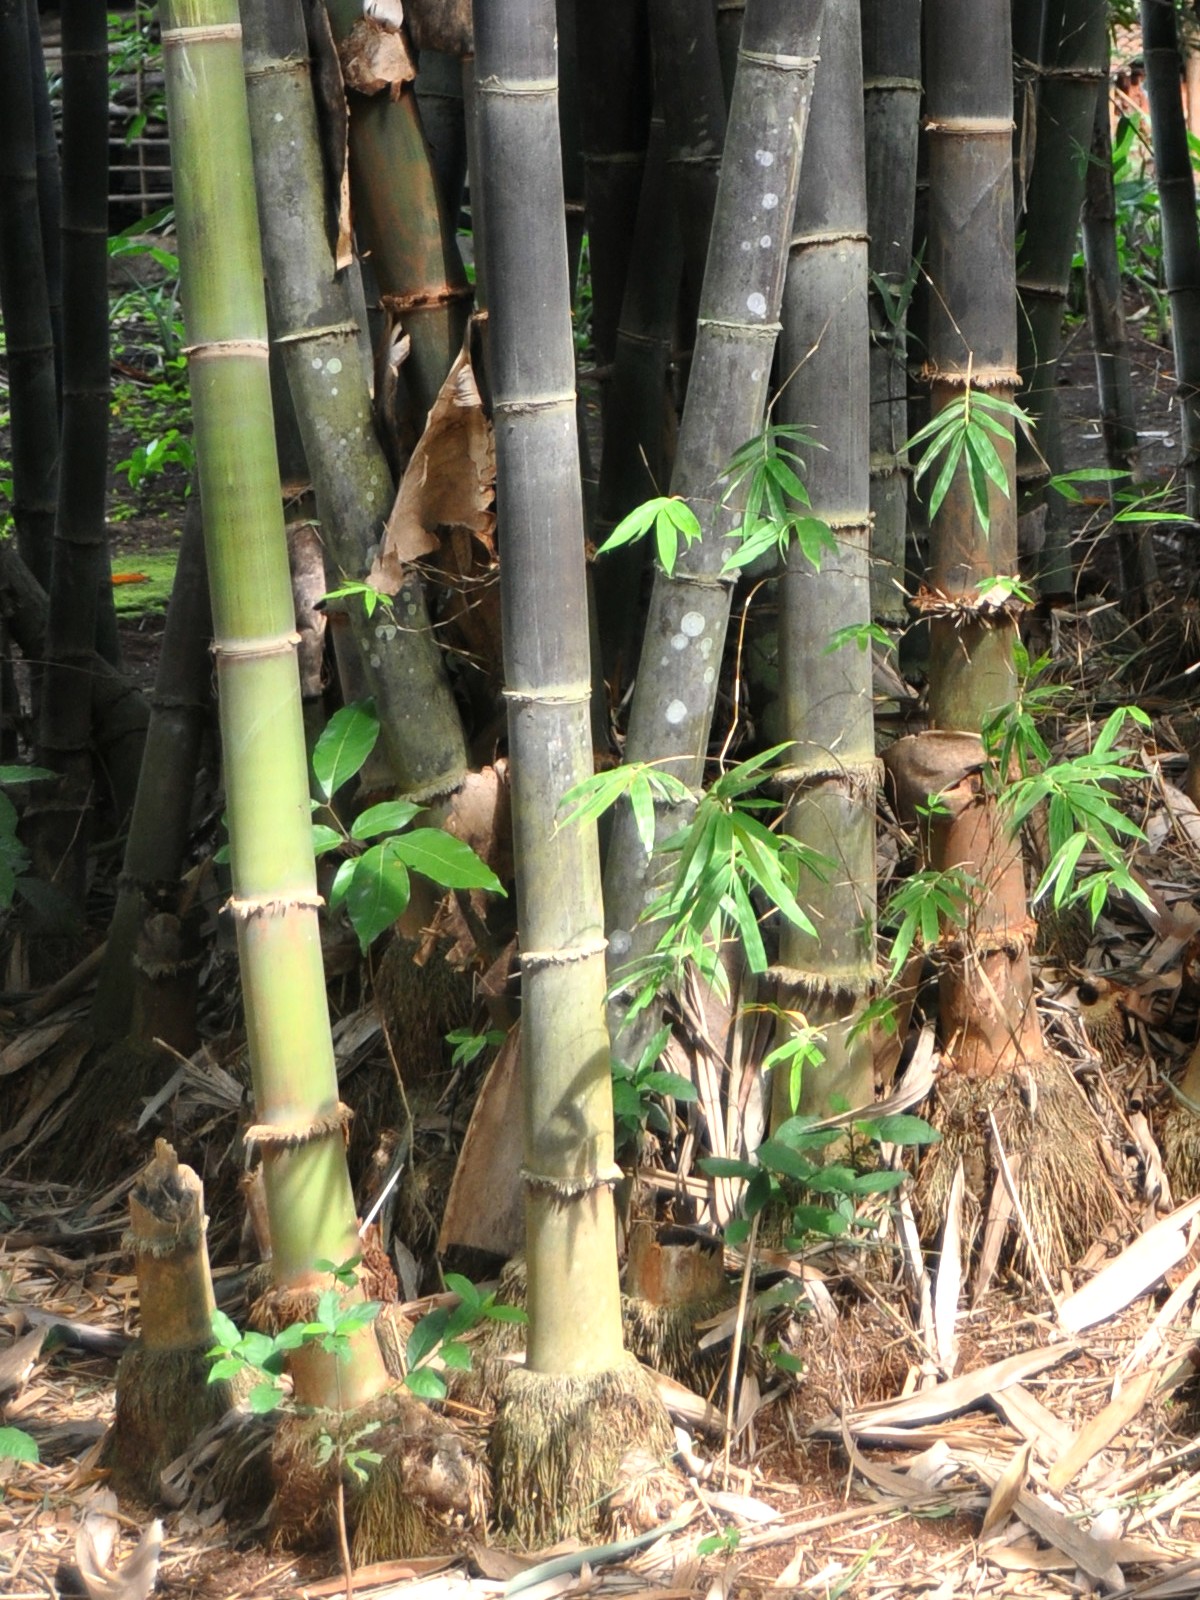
<point x="345" y="743"/>
<point x="426" y="1336"/>
<point x="816" y="1219"/>
<point x="325" y="839"/>
<point x="342" y="880"/>
<point x="388" y="817"/>
<point x="502" y="1313"/>
<point x="902" y="1129"/>
<point x="782" y="1158"/>
<point x="17" y="1445"/>
<point x="464" y="1289"/>
<point x="378" y="891"/>
<point x="224" y="1367"/>
<point x="225" y="1331"/>
<point x="876" y="1182"/>
<point x="426" y="1385"/>
<point x="265" y="1397"/>
<point x="457" y="1357"/>
<point x="785" y="1361"/>
<point x="445" y="860"/>
<point x="19" y="774"/>
<point x="724" y="1167"/>
<point x="672" y="1083"/>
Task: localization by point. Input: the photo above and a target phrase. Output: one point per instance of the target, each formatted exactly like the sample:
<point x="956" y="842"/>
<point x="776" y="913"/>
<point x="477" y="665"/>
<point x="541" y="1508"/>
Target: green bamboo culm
<point x="827" y="693"/>
<point x="566" y="1418"/>
<point x="300" y="1122"/>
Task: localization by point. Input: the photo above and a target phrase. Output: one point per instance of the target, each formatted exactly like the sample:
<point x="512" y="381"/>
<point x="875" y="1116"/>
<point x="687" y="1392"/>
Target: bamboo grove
<point x="658" y="369"/>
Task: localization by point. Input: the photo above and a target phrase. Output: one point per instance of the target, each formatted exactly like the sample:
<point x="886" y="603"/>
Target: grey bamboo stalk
<point x="49" y="176"/>
<point x="891" y="55"/>
<point x="439" y="92"/>
<point x="687" y="72"/>
<point x="181" y="707"/>
<point x="1028" y="18"/>
<point x="1181" y="234"/>
<point x="634" y="461"/>
<point x="567" y="1417"/>
<point x="300" y="1121"/>
<point x="1110" y="341"/>
<point x="992" y="1036"/>
<point x="24" y="305"/>
<point x="729" y="32"/>
<point x="120" y="713"/>
<point x="318" y="336"/>
<point x="79" y="567"/>
<point x="615" y="94"/>
<point x="1074" y="64"/>
<point x="675" y="695"/>
<point x="401" y="221"/>
<point x="827" y="695"/>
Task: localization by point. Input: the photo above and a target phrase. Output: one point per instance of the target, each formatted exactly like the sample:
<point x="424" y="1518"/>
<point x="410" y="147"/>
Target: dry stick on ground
<point x="567" y="1419"/>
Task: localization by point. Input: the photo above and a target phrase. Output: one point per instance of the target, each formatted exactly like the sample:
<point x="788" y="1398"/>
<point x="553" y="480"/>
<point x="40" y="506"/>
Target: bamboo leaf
<point x="388" y="817"/>
<point x="445" y="860"/>
<point x="946" y="476"/>
<point x="325" y="839"/>
<point x="345" y="743"/>
<point x="378" y="891"/>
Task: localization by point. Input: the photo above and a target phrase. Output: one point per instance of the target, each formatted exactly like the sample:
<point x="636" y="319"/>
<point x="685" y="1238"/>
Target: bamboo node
<point x="779" y="63"/>
<point x="539" y="960"/>
<point x="334" y="330"/>
<point x="535" y="405"/>
<point x="970" y="127"/>
<point x="832" y="236"/>
<point x="768" y="332"/>
<point x="568" y="695"/>
<point x="250" y="649"/>
<point x="267" y="1136"/>
<point x="885" y="82"/>
<point x="816" y="988"/>
<point x="574" y="1188"/>
<point x="860" y="780"/>
<point x="164" y="1246"/>
<point x="973" y="377"/>
<point x="993" y="606"/>
<point x="176" y="38"/>
<point x="246" y="908"/>
<point x="424" y="299"/>
<point x="213" y="349"/>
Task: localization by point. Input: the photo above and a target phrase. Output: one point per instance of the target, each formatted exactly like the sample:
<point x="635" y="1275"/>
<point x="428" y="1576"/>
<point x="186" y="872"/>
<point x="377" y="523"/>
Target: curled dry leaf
<point x="132" y="1579"/>
<point x="450" y="483"/>
<point x="374" y="57"/>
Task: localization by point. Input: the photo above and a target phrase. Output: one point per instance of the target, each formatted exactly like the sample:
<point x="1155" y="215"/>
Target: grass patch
<point x="148" y="576"/>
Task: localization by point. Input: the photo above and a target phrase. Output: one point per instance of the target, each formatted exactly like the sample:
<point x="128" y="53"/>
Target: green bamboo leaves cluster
<point x="373" y="882"/>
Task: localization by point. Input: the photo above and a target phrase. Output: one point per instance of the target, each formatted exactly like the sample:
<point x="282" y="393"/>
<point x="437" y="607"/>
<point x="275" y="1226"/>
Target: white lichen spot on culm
<point x="676" y="712"/>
